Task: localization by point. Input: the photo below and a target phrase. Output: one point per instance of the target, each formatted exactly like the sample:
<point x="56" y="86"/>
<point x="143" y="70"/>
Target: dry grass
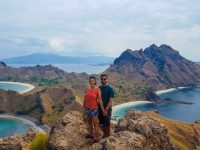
<point x="182" y="134"/>
<point x="46" y="103"/>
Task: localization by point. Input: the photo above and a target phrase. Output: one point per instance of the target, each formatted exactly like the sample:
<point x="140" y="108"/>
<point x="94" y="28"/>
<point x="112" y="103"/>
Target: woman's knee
<point x="95" y="121"/>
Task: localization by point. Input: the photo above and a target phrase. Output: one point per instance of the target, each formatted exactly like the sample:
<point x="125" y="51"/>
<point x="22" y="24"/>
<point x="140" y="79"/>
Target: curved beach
<point x="29" y="86"/>
<point x="169" y="90"/>
<point x="27" y="120"/>
<point x="114" y="108"/>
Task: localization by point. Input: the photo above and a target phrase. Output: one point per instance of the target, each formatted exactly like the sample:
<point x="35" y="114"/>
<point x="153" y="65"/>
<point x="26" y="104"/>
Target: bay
<point x="176" y="111"/>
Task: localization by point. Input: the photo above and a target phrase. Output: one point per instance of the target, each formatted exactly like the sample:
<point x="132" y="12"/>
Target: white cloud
<point x="83" y="27"/>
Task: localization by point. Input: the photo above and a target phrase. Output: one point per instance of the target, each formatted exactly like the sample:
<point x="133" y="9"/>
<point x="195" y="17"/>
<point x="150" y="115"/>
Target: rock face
<point x="151" y="96"/>
<point x="154" y="67"/>
<point x="136" y="131"/>
<point x="154" y="133"/>
<point x="16" y="142"/>
<point x="69" y="133"/>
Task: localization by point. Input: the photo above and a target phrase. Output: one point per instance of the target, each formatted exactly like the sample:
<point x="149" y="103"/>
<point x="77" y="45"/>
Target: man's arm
<point x="111" y="94"/>
<point x="109" y="104"/>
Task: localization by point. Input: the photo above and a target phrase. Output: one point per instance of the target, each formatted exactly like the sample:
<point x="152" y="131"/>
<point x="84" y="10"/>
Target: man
<point x="107" y="94"/>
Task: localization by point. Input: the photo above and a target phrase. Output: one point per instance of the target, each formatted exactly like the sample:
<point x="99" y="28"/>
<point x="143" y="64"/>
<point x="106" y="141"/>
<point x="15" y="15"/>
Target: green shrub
<point x="40" y="141"/>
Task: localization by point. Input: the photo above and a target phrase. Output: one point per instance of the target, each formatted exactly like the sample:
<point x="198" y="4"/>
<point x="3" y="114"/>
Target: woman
<point x="91" y="101"/>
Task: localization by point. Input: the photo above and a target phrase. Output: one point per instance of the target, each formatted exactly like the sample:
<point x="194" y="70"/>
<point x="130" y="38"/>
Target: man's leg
<point x="107" y="123"/>
<point x="101" y="120"/>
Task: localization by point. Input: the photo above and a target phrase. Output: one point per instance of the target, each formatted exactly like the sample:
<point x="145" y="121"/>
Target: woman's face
<point x="92" y="82"/>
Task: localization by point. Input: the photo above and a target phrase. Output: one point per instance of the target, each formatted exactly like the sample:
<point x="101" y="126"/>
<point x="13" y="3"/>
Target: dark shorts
<point x="105" y="120"/>
<point x="91" y="112"/>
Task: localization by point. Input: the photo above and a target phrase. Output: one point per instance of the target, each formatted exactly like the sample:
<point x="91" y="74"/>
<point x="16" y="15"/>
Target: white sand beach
<point x="26" y="120"/>
<point x="116" y="107"/>
<point x="169" y="90"/>
<point x="29" y="86"/>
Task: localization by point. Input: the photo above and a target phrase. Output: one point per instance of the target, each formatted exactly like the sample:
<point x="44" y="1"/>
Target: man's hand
<point x="104" y="112"/>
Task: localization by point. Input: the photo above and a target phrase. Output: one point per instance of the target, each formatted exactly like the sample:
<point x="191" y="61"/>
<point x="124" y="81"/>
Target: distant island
<point x="40" y="58"/>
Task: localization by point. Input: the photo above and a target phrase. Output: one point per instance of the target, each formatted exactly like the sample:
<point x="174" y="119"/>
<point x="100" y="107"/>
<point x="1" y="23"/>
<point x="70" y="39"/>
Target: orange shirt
<point x="91" y="96"/>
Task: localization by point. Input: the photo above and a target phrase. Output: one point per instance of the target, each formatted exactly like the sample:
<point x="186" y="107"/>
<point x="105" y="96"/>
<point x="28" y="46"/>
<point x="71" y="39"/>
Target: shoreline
<point x="116" y="107"/>
<point x="119" y="106"/>
<point x="174" y="89"/>
<point x="169" y="90"/>
<point x="29" y="86"/>
<point x="34" y="123"/>
<point x="27" y="120"/>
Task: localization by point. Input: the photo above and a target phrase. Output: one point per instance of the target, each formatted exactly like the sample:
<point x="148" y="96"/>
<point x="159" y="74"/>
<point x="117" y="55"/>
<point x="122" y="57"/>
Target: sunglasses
<point x="103" y="78"/>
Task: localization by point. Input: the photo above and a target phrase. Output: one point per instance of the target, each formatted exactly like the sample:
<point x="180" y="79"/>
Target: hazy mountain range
<point x="40" y="58"/>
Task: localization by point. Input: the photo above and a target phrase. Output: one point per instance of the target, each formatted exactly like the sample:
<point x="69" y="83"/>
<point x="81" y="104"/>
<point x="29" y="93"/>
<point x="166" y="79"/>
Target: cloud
<point x="84" y="27"/>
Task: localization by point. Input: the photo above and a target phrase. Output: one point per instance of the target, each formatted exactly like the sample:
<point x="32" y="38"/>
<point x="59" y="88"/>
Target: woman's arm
<point x="84" y="99"/>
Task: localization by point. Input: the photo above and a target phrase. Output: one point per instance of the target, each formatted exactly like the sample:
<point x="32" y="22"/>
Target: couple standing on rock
<point x="98" y="107"/>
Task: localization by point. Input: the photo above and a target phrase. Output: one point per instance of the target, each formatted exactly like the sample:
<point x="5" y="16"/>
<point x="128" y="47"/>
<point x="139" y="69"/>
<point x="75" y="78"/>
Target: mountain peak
<point x="151" y="52"/>
<point x="165" y="46"/>
<point x="154" y="46"/>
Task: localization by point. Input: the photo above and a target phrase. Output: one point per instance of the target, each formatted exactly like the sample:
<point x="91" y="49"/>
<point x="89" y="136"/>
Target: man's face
<point x="104" y="80"/>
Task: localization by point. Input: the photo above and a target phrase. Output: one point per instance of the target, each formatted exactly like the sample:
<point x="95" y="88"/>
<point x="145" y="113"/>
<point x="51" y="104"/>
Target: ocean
<point x="10" y="127"/>
<point x="78" y="68"/>
<point x="182" y="112"/>
<point x="14" y="87"/>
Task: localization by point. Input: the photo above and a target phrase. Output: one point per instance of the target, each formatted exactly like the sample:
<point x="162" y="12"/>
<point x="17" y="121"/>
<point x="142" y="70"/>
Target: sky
<point x="98" y="27"/>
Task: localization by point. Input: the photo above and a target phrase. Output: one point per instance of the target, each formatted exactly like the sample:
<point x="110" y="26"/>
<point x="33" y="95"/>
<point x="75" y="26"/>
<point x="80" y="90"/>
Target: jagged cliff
<point x="137" y="131"/>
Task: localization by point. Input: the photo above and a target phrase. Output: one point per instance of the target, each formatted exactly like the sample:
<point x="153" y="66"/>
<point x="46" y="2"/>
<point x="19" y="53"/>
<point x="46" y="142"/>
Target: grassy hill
<point x="185" y="136"/>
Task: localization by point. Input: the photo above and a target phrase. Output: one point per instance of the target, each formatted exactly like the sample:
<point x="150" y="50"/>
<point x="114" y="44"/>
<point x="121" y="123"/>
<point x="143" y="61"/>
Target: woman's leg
<point x="90" y="126"/>
<point x="95" y="122"/>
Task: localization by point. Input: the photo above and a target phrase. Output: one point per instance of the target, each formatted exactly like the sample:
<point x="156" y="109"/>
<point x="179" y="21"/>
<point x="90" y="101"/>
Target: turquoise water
<point x="9" y="127"/>
<point x="15" y="87"/>
<point x="176" y="111"/>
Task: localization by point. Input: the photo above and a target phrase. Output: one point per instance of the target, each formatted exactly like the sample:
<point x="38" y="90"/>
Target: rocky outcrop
<point x="17" y="142"/>
<point x="137" y="131"/>
<point x="69" y="133"/>
<point x="154" y="133"/>
<point x="151" y="96"/>
<point x="121" y="141"/>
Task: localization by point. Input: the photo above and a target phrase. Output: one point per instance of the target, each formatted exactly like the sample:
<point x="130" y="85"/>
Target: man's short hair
<point x="104" y="75"/>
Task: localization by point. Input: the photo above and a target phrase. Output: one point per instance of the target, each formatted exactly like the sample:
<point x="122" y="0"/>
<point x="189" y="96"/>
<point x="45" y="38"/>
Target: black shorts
<point x="105" y="120"/>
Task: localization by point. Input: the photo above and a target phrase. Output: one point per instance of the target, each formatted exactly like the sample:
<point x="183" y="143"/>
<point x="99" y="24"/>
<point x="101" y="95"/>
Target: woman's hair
<point x="93" y="77"/>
